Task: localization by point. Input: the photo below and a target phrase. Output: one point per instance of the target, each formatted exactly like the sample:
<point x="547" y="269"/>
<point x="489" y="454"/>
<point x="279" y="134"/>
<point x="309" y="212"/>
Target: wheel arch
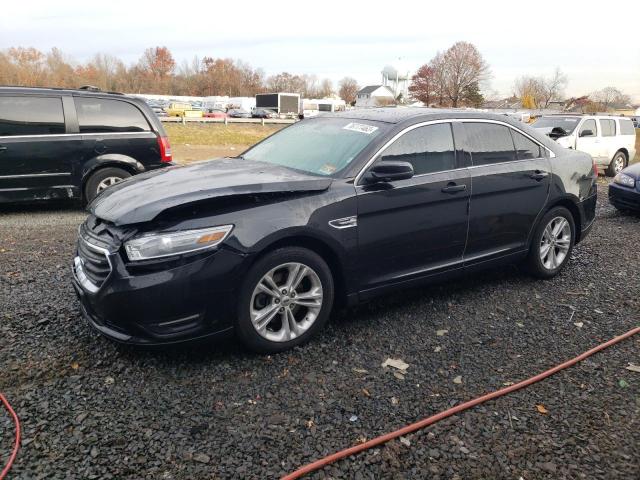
<point x="570" y="205"/>
<point x="124" y="162"/>
<point x="322" y="248"/>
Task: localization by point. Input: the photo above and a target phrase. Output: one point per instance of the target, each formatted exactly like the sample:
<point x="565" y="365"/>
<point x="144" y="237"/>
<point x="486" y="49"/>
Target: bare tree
<point x="610" y="97"/>
<point x="463" y="66"/>
<point x="553" y="87"/>
<point x="438" y="65"/>
<point x="348" y="89"/>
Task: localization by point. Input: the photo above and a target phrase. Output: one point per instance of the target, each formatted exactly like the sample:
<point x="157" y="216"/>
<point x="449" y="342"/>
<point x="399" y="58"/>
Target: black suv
<point x="57" y="143"/>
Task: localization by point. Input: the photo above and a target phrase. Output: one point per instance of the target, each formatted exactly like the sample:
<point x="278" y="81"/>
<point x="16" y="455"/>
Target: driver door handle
<point x="539" y="175"/>
<point x="454" y="188"/>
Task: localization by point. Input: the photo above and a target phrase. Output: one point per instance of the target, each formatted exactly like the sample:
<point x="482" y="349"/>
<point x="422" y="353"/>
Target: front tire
<point x="552" y="243"/>
<point x="103" y="178"/>
<point x="285" y="300"/>
<point x="618" y="164"/>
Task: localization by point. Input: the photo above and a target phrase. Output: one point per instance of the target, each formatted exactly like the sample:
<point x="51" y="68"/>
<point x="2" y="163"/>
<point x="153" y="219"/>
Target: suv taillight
<point x="165" y="149"/>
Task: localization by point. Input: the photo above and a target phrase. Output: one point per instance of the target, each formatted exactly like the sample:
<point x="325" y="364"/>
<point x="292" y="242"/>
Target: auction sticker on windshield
<point x="360" y="127"/>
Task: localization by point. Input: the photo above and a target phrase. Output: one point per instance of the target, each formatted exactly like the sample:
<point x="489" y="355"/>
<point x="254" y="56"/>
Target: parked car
<point x="238" y="113"/>
<point x="624" y="191"/>
<point x="330" y="210"/>
<point x="215" y="113"/>
<point x="159" y="111"/>
<point x="610" y="140"/>
<point x="178" y="109"/>
<point x="74" y="143"/>
<point x="263" y="113"/>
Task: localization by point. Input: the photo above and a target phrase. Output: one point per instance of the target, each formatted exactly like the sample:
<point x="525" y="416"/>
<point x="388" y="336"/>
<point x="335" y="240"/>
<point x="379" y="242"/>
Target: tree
<point x="326" y="88"/>
<point x="158" y="64"/>
<point x="553" y="87"/>
<point x="610" y="97"/>
<point x="348" y="90"/>
<point x="463" y="66"/>
<point x="423" y="85"/>
<point x="530" y="91"/>
<point x="472" y="97"/>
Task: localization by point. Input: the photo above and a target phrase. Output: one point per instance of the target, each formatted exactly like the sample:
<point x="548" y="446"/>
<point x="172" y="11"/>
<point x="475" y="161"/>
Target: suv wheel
<point x="285" y="300"/>
<point x="617" y="164"/>
<point x="552" y="243"/>
<point x="102" y="179"/>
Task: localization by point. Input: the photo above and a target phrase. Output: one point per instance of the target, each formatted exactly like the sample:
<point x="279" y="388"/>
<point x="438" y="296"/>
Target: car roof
<point x="400" y="115"/>
<point x="60" y="91"/>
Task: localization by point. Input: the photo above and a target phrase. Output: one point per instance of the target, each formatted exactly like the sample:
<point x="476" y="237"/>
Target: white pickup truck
<point x="610" y="140"/>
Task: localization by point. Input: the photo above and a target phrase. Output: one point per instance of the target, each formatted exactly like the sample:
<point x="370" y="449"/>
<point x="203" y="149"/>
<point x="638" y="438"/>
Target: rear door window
<point x="626" y="127"/>
<point x="525" y="147"/>
<point x="608" y="127"/>
<point x="489" y="143"/>
<point x="99" y="115"/>
<point x="429" y="149"/>
<point x="27" y="115"/>
<point x="588" y="126"/>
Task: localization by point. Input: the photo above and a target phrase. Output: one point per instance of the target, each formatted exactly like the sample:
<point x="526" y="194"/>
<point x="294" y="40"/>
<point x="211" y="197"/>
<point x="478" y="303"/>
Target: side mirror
<point x="586" y="133"/>
<point x="389" y="171"/>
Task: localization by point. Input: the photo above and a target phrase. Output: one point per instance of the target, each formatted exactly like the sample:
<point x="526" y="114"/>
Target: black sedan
<point x="329" y="211"/>
<point x="624" y="191"/>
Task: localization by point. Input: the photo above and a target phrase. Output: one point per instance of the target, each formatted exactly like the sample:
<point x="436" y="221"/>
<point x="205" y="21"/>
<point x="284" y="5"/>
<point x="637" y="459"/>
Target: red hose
<point x="452" y="411"/>
<point x="14" y="453"/>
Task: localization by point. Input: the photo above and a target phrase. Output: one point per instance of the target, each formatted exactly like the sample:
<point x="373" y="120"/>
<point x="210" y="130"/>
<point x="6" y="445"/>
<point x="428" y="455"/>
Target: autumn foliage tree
<point x="423" y="85"/>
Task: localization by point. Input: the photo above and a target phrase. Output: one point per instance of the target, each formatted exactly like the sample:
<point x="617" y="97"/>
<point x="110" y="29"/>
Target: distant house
<point x="374" y="96"/>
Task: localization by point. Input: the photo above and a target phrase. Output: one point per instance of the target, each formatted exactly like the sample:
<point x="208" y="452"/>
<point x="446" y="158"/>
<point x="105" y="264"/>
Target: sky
<point x="594" y="47"/>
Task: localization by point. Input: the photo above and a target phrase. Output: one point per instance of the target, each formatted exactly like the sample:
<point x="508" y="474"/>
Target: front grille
<point x="94" y="244"/>
<point x="94" y="262"/>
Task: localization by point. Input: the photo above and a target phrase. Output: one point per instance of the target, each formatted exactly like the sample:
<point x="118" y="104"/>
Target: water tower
<point x="396" y="76"/>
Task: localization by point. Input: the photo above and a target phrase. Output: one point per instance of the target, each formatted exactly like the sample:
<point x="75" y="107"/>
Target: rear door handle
<point x="2" y="148"/>
<point x="454" y="188"/>
<point x="539" y="175"/>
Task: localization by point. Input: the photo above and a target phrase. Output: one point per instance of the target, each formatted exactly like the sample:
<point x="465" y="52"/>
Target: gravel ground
<point x="92" y="409"/>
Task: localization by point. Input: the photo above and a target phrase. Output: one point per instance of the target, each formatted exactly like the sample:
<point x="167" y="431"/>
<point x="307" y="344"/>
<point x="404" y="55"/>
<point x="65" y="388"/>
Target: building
<point x="374" y="96"/>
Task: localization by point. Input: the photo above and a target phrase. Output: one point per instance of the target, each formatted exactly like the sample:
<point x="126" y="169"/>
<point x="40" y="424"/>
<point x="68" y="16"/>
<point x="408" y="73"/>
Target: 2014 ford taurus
<point x="331" y="210"/>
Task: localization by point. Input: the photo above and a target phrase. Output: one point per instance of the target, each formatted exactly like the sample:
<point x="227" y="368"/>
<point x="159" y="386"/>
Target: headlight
<point x="157" y="245"/>
<point x="625" y="180"/>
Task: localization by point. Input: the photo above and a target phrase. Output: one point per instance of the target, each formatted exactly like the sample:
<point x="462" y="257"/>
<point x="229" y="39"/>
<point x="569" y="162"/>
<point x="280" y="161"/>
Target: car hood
<point x="145" y="196"/>
<point x="633" y="171"/>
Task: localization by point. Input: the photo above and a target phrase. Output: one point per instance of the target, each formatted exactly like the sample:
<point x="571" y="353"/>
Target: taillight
<point x="165" y="149"/>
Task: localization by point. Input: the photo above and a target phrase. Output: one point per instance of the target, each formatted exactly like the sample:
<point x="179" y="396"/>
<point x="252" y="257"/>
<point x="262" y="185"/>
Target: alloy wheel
<point x="107" y="182"/>
<point x="618" y="164"/>
<point x="555" y="243"/>
<point x="286" y="302"/>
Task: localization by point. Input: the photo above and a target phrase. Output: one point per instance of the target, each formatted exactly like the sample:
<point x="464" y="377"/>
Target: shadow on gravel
<point x="49" y="206"/>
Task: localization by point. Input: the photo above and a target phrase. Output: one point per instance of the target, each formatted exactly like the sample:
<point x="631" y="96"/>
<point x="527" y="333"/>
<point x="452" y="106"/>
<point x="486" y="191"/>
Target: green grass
<point x="218" y="134"/>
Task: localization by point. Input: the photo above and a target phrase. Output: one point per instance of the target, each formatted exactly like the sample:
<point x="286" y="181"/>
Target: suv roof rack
<point x="91" y="88"/>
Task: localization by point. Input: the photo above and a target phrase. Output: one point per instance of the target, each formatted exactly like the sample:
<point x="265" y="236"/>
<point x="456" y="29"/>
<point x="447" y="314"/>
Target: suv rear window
<point x="28" y="115"/>
<point x="608" y="127"/>
<point x="99" y="115"/>
<point x="626" y="127"/>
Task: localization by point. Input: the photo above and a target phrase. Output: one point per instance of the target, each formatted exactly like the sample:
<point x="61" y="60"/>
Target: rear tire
<point x="294" y="306"/>
<point x="102" y="179"/>
<point x="552" y="243"/>
<point x="618" y="163"/>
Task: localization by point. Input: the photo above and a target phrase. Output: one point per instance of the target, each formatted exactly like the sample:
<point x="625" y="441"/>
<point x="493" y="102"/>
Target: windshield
<point x="568" y="124"/>
<point x="322" y="146"/>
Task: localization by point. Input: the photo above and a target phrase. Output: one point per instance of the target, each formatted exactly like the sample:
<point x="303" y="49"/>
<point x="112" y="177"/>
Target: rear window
<point x="98" y="115"/>
<point x="608" y="127"/>
<point x="489" y="143"/>
<point x="525" y="147"/>
<point x="31" y="116"/>
<point x="626" y="127"/>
